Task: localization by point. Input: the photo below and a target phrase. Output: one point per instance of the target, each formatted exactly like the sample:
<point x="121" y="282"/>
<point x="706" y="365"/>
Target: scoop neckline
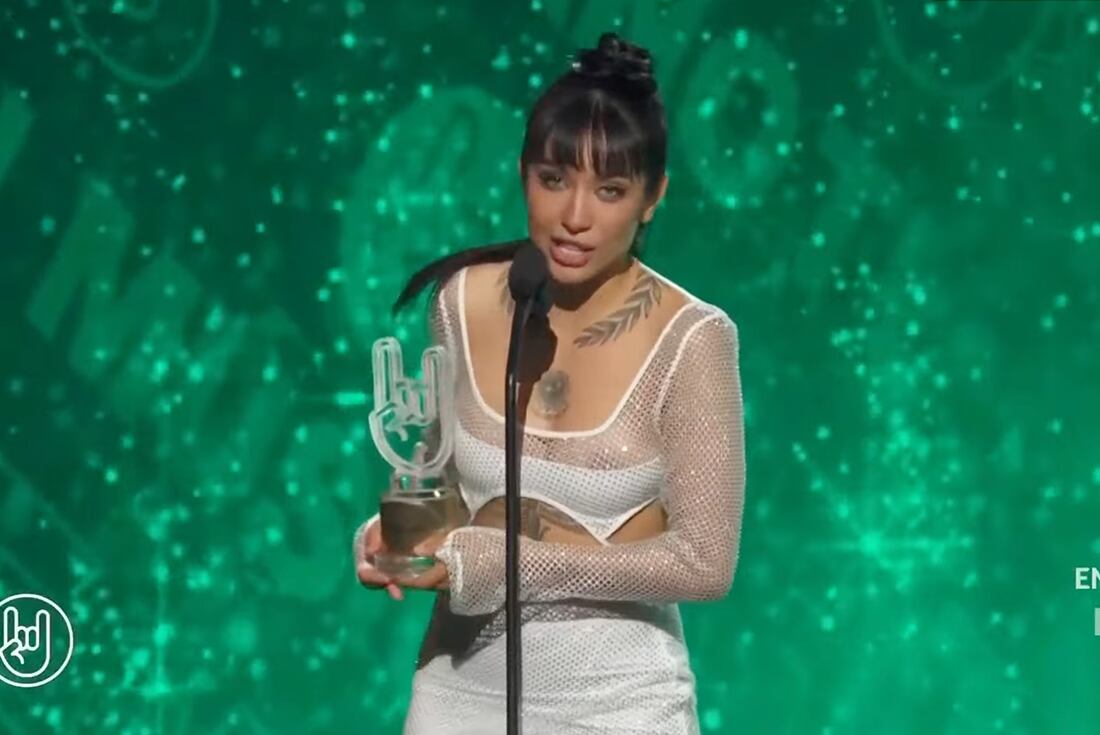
<point x="554" y="433"/>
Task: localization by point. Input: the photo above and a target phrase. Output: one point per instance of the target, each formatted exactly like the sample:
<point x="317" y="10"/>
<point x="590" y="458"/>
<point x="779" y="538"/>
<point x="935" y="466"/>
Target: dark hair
<point x="610" y="98"/>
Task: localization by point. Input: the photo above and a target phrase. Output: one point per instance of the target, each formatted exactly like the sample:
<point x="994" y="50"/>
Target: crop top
<point x="676" y="435"/>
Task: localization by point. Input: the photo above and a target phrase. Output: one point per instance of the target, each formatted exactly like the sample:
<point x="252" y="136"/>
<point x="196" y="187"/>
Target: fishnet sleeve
<point x="701" y="425"/>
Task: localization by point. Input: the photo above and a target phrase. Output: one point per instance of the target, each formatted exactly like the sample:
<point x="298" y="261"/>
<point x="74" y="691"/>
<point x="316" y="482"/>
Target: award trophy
<point x="420" y="504"/>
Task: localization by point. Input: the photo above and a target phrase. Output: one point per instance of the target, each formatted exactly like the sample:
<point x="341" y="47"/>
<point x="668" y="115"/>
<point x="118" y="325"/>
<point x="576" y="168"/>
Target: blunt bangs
<point x="589" y="131"/>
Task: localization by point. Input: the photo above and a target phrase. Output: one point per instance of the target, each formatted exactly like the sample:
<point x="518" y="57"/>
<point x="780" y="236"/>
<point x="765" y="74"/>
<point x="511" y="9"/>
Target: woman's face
<point x="566" y="204"/>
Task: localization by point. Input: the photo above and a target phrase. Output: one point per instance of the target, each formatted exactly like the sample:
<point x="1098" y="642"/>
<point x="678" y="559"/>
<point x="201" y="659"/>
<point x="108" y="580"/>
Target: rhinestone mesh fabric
<point x="603" y="646"/>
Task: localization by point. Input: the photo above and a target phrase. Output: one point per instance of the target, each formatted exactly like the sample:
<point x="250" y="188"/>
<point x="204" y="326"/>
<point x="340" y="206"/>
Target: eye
<point x="550" y="179"/>
<point x="613" y="191"/>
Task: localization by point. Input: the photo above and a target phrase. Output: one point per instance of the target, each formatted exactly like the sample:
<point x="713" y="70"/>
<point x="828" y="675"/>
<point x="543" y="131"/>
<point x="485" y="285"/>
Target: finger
<point x="373" y="579"/>
<point x="386" y="367"/>
<point x="395" y="592"/>
<point x="367" y="541"/>
<point x="389" y="377"/>
<point x="373" y="539"/>
<point x="370" y="576"/>
<point x="427" y="580"/>
<point x="366" y="550"/>
<point x="359" y="551"/>
<point x="43" y="627"/>
<point x="424" y="548"/>
<point x="11" y="622"/>
<point x="390" y="418"/>
<point x="437" y="380"/>
<point x="431" y="366"/>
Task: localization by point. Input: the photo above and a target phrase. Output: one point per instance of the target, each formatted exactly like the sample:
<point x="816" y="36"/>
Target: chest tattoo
<point x="552" y="394"/>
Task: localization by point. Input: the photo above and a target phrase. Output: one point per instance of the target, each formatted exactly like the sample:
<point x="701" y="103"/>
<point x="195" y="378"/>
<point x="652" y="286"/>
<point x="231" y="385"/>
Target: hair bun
<point x="615" y="59"/>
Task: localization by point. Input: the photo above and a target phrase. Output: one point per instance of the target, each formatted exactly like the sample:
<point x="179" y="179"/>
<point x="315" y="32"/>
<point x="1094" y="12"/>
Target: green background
<point x="208" y="206"/>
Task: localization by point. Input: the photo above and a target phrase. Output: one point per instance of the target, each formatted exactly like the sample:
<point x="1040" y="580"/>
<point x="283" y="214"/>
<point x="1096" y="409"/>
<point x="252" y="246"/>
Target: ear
<point x="649" y="211"/>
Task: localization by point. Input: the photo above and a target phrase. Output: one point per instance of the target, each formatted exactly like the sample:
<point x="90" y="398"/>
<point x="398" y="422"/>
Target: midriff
<point x="544" y="522"/>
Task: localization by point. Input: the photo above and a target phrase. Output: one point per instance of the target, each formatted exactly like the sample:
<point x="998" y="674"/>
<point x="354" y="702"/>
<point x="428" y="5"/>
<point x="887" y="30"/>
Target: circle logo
<point x="36" y="640"/>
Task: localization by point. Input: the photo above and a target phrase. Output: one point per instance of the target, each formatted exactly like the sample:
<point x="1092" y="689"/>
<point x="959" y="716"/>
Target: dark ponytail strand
<point x="438" y="272"/>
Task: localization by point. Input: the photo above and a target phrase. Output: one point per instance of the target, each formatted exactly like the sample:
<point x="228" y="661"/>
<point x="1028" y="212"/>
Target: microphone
<point x="528" y="280"/>
<point x="529" y="277"/>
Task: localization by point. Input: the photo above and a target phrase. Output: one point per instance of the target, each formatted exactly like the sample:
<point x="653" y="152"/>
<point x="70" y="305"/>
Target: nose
<point x="577" y="216"/>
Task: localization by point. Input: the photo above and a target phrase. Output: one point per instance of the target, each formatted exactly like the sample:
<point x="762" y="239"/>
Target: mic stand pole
<point x="513" y="663"/>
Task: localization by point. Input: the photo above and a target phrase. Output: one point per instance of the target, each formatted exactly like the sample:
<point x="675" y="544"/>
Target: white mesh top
<point x="603" y="646"/>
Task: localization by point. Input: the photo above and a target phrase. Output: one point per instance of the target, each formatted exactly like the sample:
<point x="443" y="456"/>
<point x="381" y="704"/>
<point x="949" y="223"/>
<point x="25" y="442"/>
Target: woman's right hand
<point x="368" y="542"/>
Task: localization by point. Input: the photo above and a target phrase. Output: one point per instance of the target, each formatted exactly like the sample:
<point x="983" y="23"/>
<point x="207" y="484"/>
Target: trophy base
<point x="403" y="565"/>
<point x="415" y="518"/>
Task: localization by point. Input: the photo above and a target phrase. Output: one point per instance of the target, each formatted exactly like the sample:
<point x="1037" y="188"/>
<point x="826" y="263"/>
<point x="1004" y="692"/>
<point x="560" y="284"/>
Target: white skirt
<point x="584" y="675"/>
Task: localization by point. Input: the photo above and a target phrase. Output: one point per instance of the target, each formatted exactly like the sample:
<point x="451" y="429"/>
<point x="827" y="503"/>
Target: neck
<point x="581" y="302"/>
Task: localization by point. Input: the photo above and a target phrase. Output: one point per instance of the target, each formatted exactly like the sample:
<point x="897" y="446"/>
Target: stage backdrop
<point x="208" y="207"/>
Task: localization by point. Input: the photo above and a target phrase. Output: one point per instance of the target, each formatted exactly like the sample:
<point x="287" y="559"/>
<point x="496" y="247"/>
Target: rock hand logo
<point x="37" y="640"/>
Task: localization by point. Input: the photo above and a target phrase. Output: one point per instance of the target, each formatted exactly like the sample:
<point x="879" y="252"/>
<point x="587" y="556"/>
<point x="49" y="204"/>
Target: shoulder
<point x="468" y="299"/>
<point x="704" y="360"/>
<point x="473" y="279"/>
<point x="485" y="276"/>
<point x="699" y="320"/>
<point x="703" y="341"/>
<point x="482" y="288"/>
<point x="710" y="337"/>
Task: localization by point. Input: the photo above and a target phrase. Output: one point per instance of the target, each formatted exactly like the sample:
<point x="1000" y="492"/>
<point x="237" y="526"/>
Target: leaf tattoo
<point x="645" y="294"/>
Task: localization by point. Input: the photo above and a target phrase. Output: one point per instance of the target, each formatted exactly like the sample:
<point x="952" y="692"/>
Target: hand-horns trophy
<point x="420" y="504"/>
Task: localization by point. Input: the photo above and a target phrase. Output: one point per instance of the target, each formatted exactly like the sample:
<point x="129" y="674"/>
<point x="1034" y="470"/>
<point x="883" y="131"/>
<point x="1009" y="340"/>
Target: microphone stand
<point x="513" y="663"/>
<point x="528" y="281"/>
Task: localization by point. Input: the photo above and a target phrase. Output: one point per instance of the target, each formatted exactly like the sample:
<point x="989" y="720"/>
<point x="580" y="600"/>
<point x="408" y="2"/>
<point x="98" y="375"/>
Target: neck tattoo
<point x="645" y="294"/>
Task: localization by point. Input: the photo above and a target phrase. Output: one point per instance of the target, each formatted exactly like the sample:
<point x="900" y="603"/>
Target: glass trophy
<point x="421" y="503"/>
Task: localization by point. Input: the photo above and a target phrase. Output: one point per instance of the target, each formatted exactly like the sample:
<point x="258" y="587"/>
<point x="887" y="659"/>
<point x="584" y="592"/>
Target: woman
<point x="633" y="453"/>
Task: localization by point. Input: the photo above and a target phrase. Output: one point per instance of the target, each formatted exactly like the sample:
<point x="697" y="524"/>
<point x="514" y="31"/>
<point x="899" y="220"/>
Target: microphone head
<point x="528" y="272"/>
<point x="529" y="275"/>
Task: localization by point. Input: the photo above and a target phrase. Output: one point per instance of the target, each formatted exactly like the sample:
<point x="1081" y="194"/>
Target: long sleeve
<point x="700" y="421"/>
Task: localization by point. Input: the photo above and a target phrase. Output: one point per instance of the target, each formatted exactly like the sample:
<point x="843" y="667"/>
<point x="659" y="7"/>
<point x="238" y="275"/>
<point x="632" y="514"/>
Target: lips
<point x="582" y="246"/>
<point x="570" y="254"/>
